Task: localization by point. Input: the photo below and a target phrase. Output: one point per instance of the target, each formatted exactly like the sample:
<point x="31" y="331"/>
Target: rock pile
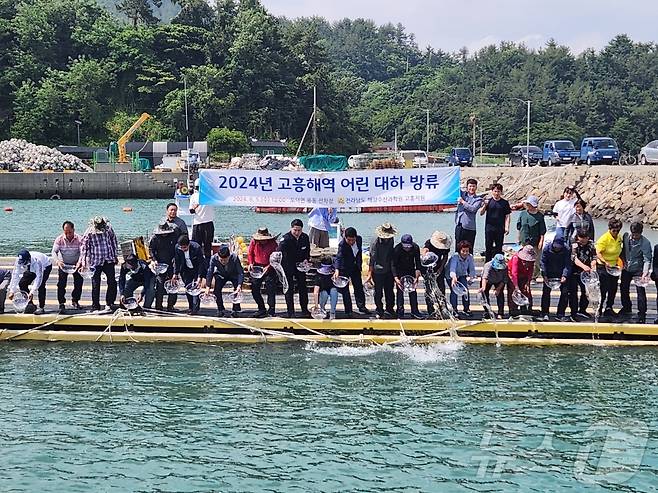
<point x="21" y="155"/>
<point x="255" y="162"/>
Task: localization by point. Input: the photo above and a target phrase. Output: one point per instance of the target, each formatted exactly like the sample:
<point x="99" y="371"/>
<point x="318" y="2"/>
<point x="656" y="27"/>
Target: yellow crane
<point x="121" y="143"/>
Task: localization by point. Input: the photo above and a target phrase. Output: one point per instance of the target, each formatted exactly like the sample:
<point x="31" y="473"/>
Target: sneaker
<point x="62" y="309"/>
<point x="585" y="315"/>
<point x="544" y="317"/>
<point x="363" y="310"/>
<point x="332" y="316"/>
<point x="76" y="305"/>
<point x="417" y="315"/>
<point x="260" y="314"/>
<point x="468" y="313"/>
<point x="38" y="311"/>
<point x="564" y="318"/>
<point x="379" y="314"/>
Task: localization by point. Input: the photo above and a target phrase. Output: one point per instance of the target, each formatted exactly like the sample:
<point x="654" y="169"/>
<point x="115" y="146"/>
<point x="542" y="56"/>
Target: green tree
<point x="227" y="141"/>
<point x="139" y="10"/>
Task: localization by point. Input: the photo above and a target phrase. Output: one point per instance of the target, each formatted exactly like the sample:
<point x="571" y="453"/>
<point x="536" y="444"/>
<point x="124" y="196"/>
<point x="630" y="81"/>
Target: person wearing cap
<point x="31" y="268"/>
<point x="295" y="247"/>
<point x="66" y="251"/>
<point x="98" y="251"/>
<point x="171" y="217"/>
<point x="583" y="259"/>
<point x="564" y="209"/>
<point x="324" y="287"/>
<point x="608" y="257"/>
<point x="439" y="244"/>
<point x="380" y="270"/>
<point x="496" y="222"/>
<point x="203" y="226"/>
<point x="494" y="275"/>
<point x="580" y="220"/>
<point x="520" y="269"/>
<point x="225" y="267"/>
<point x="162" y="250"/>
<point x="637" y="258"/>
<point x="531" y="226"/>
<point x="555" y="263"/>
<point x="190" y="266"/>
<point x="468" y="204"/>
<point x="406" y="262"/>
<point x="5" y="279"/>
<point x="349" y="263"/>
<point x="261" y="246"/>
<point x="134" y="273"/>
<point x="461" y="269"/>
<point x="320" y="220"/>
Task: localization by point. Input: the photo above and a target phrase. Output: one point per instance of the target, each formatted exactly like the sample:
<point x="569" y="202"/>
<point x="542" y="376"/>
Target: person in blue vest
<point x="190" y="266"/>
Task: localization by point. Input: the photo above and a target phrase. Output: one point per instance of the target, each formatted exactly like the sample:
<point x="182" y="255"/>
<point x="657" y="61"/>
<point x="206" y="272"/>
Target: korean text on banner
<point x="375" y="188"/>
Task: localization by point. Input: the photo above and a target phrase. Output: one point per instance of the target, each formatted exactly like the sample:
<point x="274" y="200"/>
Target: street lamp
<point x="78" y="123"/>
<point x="528" y="129"/>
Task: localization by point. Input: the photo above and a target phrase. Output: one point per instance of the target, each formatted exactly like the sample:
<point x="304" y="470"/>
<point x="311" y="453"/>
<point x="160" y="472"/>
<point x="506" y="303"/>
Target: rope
<point x="33" y="329"/>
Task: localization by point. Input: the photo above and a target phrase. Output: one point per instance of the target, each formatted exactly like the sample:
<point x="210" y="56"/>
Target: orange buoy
<point x="127" y="209"/>
<point x="9" y="209"/>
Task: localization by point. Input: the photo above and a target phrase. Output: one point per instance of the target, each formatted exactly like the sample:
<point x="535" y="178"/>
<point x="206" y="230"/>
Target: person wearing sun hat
<point x="520" y="269"/>
<point x="324" y="287"/>
<point x="262" y="245"/>
<point x="380" y="268"/>
<point x="99" y="251"/>
<point x="162" y="250"/>
<point x="494" y="275"/>
<point x="439" y="244"/>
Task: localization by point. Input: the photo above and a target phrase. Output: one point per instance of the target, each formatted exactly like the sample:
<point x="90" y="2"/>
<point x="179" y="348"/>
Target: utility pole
<point x="428" y="133"/>
<point x="78" y="123"/>
<point x="480" y="144"/>
<point x="528" y="134"/>
<point x="474" y="121"/>
<point x="395" y="142"/>
<point x="315" y="121"/>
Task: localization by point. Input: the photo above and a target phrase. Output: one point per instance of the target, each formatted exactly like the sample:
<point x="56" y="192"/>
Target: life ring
<point x="184" y="190"/>
<point x="55" y="197"/>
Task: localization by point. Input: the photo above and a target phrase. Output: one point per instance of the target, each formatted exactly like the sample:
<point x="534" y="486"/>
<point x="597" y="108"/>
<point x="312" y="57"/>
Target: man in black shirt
<point x="162" y="249"/>
<point x="295" y="247"/>
<point x="380" y="269"/>
<point x="496" y="222"/>
<point x="349" y="262"/>
<point x="406" y="262"/>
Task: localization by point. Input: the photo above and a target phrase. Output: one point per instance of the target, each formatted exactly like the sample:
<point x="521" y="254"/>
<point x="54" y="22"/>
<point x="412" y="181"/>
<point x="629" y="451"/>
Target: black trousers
<point x="562" y="302"/>
<point x="357" y="287"/>
<point x="188" y="276"/>
<point x="384" y="288"/>
<point x="203" y="234"/>
<point x="28" y="277"/>
<point x="608" y="288"/>
<point x="500" y="297"/>
<point x="576" y="304"/>
<point x="270" y="279"/>
<point x="399" y="298"/>
<point x="625" y="289"/>
<point x="462" y="234"/>
<point x="160" y="290"/>
<point x="493" y="242"/>
<point x="220" y="282"/>
<point x="297" y="279"/>
<point x="4" y="284"/>
<point x="62" y="280"/>
<point x="108" y="268"/>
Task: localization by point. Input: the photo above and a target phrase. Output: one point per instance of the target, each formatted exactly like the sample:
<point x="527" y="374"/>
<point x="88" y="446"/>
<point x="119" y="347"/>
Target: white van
<point x="415" y="159"/>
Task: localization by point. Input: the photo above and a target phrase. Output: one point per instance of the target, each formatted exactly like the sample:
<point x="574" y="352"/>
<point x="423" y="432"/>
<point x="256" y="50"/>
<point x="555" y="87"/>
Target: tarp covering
<point x="324" y="162"/>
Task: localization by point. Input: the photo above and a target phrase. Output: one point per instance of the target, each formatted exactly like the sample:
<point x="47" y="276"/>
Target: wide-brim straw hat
<point x="99" y="224"/>
<point x="386" y="231"/>
<point x="528" y="253"/>
<point x="440" y="240"/>
<point x="263" y="234"/>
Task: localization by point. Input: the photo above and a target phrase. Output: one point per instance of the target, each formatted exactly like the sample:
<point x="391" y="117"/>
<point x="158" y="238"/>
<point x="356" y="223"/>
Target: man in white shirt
<point x="31" y="268"/>
<point x="203" y="227"/>
<point x="564" y="209"/>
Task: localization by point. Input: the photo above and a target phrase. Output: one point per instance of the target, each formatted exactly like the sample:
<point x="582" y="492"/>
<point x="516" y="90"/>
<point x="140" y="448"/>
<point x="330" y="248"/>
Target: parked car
<point x="649" y="153"/>
<point x="460" y="156"/>
<point x="557" y="152"/>
<point x="599" y="150"/>
<point x="416" y="158"/>
<point x="519" y="155"/>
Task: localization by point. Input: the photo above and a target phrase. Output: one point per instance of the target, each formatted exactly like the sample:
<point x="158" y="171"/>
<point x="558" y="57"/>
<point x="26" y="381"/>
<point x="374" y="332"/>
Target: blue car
<point x="599" y="150"/>
<point x="460" y="156"/>
<point x="557" y="152"/>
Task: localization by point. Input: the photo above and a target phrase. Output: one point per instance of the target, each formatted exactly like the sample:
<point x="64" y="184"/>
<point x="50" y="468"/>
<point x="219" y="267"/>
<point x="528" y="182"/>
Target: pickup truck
<point x="557" y="152"/>
<point x="519" y="155"/>
<point x="599" y="150"/>
<point x="460" y="156"/>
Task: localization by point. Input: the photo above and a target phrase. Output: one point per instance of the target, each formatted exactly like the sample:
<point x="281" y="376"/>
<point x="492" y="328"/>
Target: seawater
<point x="34" y="224"/>
<point x="317" y="418"/>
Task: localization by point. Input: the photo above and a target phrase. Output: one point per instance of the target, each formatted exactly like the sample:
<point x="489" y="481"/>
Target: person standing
<point x="439" y="244"/>
<point x="467" y="206"/>
<point x="581" y="220"/>
<point x="31" y="268"/>
<point x="295" y="247"/>
<point x="406" y="262"/>
<point x="461" y="269"/>
<point x="608" y="251"/>
<point x="98" y="251"/>
<point x="320" y="220"/>
<point x="497" y="221"/>
<point x="203" y="226"/>
<point x="66" y="251"/>
<point x="134" y="273"/>
<point x="349" y="263"/>
<point x="555" y="264"/>
<point x="5" y="279"/>
<point x="324" y="287"/>
<point x="225" y="267"/>
<point x="262" y="245"/>
<point x="494" y="275"/>
<point x="564" y="209"/>
<point x="532" y="228"/>
<point x="583" y="258"/>
<point x="190" y="266"/>
<point x="171" y="217"/>
<point x="162" y="250"/>
<point x="520" y="268"/>
<point x="637" y="256"/>
<point x="380" y="268"/>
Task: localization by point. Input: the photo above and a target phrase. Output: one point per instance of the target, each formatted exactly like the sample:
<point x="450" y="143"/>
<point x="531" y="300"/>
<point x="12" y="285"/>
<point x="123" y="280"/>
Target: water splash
<point x="418" y="353"/>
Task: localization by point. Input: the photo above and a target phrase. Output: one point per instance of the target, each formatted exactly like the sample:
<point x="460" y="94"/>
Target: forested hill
<point x="62" y="60"/>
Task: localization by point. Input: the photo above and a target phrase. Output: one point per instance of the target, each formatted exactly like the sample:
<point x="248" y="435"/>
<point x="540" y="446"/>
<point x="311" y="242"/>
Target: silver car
<point x="649" y="153"/>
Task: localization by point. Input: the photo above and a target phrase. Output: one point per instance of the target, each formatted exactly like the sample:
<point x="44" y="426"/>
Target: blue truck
<point x="557" y="152"/>
<point x="599" y="150"/>
<point x="460" y="156"/>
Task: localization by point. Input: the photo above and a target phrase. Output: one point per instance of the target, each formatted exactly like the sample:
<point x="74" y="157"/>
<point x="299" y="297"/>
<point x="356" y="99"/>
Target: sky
<point x="450" y="25"/>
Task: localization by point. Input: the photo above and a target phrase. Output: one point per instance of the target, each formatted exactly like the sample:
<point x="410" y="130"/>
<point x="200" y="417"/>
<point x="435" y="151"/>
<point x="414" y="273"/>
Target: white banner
<point x="372" y="188"/>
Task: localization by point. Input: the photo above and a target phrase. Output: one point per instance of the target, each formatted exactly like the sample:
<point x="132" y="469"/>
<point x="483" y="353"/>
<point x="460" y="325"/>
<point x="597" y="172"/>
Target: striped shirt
<point x="98" y="248"/>
<point x="65" y="250"/>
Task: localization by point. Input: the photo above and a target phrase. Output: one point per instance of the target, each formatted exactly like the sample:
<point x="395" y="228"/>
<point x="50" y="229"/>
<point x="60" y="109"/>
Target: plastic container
<point x="341" y="281"/>
<point x="193" y="289"/>
<point x="87" y="272"/>
<point x="20" y="301"/>
<point x="68" y="268"/>
<point x="161" y="268"/>
<point x="429" y="260"/>
<point x="459" y="289"/>
<point x="130" y="303"/>
<point x="519" y="298"/>
<point x="641" y="282"/>
<point x="613" y="271"/>
<point x="369" y="288"/>
<point x="408" y="283"/>
<point x="304" y="266"/>
<point x="589" y="278"/>
<point x="256" y="272"/>
<point x="318" y="313"/>
<point x="208" y="299"/>
<point x="553" y="282"/>
<point x="234" y="297"/>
